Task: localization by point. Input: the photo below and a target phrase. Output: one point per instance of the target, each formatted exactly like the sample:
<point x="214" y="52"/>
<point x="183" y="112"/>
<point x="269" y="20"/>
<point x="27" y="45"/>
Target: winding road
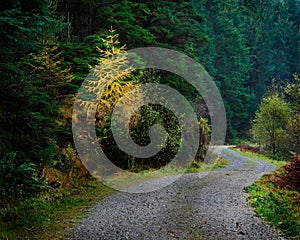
<point x="212" y="207"/>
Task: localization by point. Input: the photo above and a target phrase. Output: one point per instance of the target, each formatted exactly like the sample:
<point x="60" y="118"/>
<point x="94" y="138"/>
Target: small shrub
<point x="287" y="176"/>
<point x="248" y="148"/>
<point x="18" y="180"/>
<point x="67" y="170"/>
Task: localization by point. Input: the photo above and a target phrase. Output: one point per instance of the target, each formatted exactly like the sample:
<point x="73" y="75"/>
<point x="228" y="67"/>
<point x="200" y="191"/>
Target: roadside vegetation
<point x="52" y="213"/>
<point x="144" y="175"/>
<point x="276" y="196"/>
<point x="276" y="132"/>
<point x="253" y="152"/>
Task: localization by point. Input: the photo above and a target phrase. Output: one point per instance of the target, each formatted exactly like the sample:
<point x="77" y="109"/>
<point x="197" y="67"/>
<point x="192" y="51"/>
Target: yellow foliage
<point x="112" y="66"/>
<point x="48" y="62"/>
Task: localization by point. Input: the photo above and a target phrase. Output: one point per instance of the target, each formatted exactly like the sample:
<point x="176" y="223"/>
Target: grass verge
<point x="50" y="215"/>
<point x="122" y="181"/>
<point x="277" y="205"/>
<point x="277" y="163"/>
<point x="201" y="167"/>
<point x="280" y="207"/>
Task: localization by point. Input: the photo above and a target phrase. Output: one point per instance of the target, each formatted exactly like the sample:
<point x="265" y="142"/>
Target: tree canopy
<point x="271" y="121"/>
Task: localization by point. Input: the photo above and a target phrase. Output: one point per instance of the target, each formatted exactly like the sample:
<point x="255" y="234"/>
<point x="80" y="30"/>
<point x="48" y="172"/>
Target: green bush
<point x="18" y="180"/>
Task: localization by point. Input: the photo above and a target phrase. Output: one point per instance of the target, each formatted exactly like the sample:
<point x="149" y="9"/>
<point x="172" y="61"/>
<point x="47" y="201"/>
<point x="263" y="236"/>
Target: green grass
<point x="277" y="163"/>
<point x="250" y="163"/>
<point x="280" y="207"/>
<point x="50" y="215"/>
<point x="122" y="181"/>
<point x="201" y="167"/>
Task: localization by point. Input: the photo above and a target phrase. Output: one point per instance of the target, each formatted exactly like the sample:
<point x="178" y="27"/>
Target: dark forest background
<point x="47" y="48"/>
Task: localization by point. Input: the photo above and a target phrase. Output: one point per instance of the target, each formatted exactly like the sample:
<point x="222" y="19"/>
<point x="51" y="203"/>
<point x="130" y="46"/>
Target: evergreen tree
<point x="272" y="36"/>
<point x="227" y="59"/>
<point x="27" y="115"/>
<point x="90" y="17"/>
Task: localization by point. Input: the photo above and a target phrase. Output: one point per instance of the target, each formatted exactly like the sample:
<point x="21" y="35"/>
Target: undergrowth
<point x="278" y="206"/>
<point x="276" y="198"/>
<point x="49" y="216"/>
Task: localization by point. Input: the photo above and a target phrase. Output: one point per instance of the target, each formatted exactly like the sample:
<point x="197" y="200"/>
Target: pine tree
<point x="227" y="60"/>
<point x="272" y="36"/>
<point x="26" y="111"/>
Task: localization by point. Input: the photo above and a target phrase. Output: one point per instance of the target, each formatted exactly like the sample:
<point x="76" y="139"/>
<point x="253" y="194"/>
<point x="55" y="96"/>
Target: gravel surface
<point x="212" y="207"/>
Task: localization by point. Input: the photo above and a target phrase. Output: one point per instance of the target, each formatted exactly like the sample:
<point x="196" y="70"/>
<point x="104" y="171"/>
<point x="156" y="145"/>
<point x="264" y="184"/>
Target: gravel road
<point x="212" y="207"/>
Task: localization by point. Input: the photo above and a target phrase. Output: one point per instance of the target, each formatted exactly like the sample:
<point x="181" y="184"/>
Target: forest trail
<point x="212" y="207"/>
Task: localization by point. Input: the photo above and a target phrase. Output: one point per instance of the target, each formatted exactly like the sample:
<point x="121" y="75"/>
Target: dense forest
<point x="251" y="49"/>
